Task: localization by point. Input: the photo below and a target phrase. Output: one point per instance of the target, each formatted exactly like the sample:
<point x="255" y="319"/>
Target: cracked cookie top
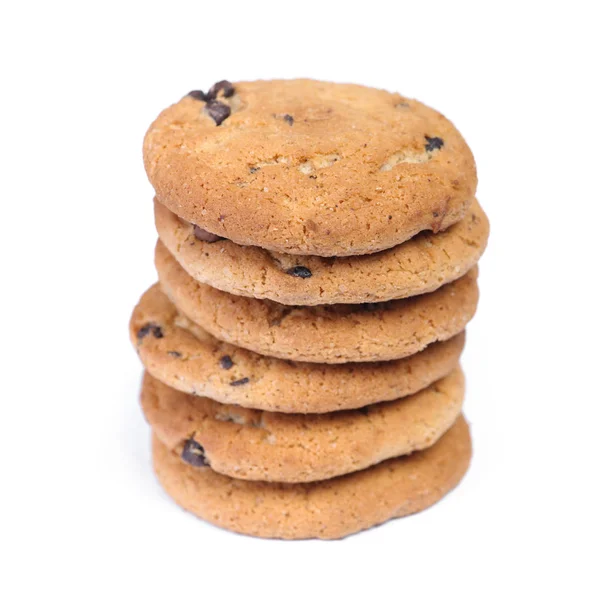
<point x="309" y="167"/>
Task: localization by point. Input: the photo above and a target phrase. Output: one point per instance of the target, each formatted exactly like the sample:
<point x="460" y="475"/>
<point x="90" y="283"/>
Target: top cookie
<point x="308" y="167"/>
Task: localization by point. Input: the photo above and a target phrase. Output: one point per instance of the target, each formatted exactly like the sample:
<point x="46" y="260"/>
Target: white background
<point x="81" y="514"/>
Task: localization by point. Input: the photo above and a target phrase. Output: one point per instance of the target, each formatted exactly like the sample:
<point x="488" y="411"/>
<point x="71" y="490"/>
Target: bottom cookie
<point x="327" y="509"/>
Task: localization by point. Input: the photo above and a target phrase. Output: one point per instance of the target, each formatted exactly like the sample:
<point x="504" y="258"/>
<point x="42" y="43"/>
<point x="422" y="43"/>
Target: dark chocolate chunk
<point x="288" y="119"/>
<point x="205" y="236"/>
<point x="433" y="143"/>
<point x="199" y="95"/>
<point x="217" y="111"/>
<point x="174" y="353"/>
<point x="221" y="86"/>
<point x="193" y="454"/>
<point x="226" y="362"/>
<point x="299" y="271"/>
<point x="241" y="381"/>
<point x="152" y="328"/>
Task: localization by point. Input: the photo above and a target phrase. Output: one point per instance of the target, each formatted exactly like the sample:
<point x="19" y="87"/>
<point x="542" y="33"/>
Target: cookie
<point x="269" y="446"/>
<point x="309" y="167"/>
<point x="185" y="357"/>
<point x="418" y="266"/>
<point x="336" y="333"/>
<point x="327" y="509"/>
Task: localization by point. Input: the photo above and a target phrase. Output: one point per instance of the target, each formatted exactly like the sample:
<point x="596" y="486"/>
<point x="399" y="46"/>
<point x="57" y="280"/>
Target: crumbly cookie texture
<point x="418" y="266"/>
<point x="309" y="167"/>
<point x="330" y="334"/>
<point x="268" y="446"/>
<point x="184" y="356"/>
<point x="327" y="509"/>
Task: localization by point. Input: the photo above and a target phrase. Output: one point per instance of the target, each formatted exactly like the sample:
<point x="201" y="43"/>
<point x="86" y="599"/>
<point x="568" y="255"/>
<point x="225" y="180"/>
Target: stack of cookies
<point x="317" y="266"/>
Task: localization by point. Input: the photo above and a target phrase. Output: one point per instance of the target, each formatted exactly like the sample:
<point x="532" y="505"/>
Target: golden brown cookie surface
<point x="267" y="446"/>
<point x="329" y="334"/>
<point x="418" y="266"/>
<point x="189" y="359"/>
<point x="309" y="167"/>
<point x="327" y="509"/>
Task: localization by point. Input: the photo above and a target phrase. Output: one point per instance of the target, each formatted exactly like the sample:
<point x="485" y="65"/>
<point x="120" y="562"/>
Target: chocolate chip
<point x="241" y="381"/>
<point x="226" y="362"/>
<point x="288" y="119"/>
<point x="174" y="353"/>
<point x="433" y="143"/>
<point x="217" y="111"/>
<point x="254" y="169"/>
<point x="193" y="454"/>
<point x="205" y="236"/>
<point x="155" y="330"/>
<point x="299" y="271"/>
<point x="199" y="95"/>
<point x="221" y="86"/>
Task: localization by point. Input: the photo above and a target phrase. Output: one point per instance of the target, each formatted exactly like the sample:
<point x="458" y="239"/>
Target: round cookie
<point x="327" y="509"/>
<point x="269" y="446"/>
<point x="418" y="266"/>
<point x="309" y="167"/>
<point x="185" y="357"/>
<point x="330" y="334"/>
